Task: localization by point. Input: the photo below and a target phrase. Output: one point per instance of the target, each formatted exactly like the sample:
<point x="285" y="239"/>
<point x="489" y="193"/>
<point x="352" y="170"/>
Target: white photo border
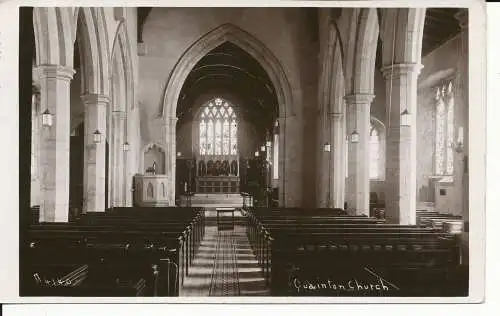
<point x="9" y="163"/>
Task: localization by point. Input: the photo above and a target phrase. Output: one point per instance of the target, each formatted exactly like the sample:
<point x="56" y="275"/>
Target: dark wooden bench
<point x="124" y="253"/>
<point x="298" y="251"/>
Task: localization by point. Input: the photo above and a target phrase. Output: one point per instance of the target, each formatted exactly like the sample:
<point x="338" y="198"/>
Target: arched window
<point x="374" y="153"/>
<point x="218" y="129"/>
<point x="444" y="130"/>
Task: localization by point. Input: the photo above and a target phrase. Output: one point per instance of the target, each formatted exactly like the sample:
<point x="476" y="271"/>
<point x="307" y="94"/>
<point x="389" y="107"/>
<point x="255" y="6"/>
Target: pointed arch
<point x="403" y="25"/>
<point x="351" y="18"/>
<point x="161" y="149"/>
<point x="121" y="50"/>
<point x="366" y="51"/>
<point x="214" y="38"/>
<point x="90" y="28"/>
<point x="53" y="36"/>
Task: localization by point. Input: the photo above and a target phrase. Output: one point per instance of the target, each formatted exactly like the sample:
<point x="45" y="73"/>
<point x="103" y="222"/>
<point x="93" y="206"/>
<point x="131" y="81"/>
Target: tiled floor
<point x="225" y="266"/>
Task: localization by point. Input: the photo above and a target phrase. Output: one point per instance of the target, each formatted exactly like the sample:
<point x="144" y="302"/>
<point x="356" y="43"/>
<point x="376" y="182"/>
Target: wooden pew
<point x="155" y="243"/>
<point x="319" y="246"/>
<point x="133" y="253"/>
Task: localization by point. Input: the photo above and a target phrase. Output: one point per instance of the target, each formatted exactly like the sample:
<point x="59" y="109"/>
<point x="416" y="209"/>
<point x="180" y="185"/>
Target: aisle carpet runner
<point x="224" y="281"/>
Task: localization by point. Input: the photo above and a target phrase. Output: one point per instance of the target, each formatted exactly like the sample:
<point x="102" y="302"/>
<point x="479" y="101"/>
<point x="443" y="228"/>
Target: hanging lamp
<point x="405" y="118"/>
<point x="97" y="137"/>
<point x="47" y="118"/>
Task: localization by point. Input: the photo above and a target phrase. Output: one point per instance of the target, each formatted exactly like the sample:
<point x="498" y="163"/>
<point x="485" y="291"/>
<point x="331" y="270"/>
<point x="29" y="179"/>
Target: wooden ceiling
<point x="440" y="26"/>
<point x="228" y="68"/>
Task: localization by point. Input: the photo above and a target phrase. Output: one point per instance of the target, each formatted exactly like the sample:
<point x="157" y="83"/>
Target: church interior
<point x="242" y="151"/>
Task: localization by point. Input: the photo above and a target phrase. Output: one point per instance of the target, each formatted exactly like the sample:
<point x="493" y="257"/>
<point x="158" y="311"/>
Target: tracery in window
<point x="445" y="104"/>
<point x="218" y="129"/>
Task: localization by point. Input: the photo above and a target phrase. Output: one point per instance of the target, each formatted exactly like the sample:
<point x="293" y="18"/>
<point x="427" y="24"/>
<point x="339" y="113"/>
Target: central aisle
<point x="225" y="266"/>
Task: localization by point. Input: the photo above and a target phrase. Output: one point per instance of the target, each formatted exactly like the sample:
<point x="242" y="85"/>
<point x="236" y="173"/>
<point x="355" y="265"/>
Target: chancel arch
<point x="227" y="33"/>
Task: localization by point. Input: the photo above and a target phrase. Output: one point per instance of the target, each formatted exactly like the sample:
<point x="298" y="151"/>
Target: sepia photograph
<point x="307" y="152"/>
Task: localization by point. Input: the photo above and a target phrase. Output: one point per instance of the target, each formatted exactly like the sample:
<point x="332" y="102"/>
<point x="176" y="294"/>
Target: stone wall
<point x="442" y="63"/>
<point x="296" y="51"/>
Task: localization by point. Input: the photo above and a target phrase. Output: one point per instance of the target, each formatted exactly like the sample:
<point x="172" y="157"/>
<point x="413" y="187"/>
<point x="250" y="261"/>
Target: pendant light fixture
<point x="47" y="118"/>
<point x="405" y="118"/>
<point x="97" y="137"/>
<point x="355" y="134"/>
<point x="126" y="146"/>
<point x="355" y="137"/>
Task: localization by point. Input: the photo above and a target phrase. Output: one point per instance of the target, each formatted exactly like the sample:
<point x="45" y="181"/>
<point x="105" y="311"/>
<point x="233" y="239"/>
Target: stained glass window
<point x="203" y="137"/>
<point x="374" y="153"/>
<point x="218" y="137"/>
<point x="234" y="139"/>
<point x="444" y="129"/>
<point x="225" y="137"/>
<point x="218" y="129"/>
<point x="210" y="137"/>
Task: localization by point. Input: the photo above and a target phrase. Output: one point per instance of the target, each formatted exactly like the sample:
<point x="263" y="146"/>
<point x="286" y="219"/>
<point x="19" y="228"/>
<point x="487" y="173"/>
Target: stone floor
<point x="225" y="266"/>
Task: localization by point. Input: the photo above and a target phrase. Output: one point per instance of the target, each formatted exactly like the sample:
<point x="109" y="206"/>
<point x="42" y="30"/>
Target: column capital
<point x="398" y="70"/>
<point x="119" y="114"/>
<point x="94" y="99"/>
<point x="335" y="115"/>
<point x="169" y="120"/>
<point x="55" y="71"/>
<point x="359" y="98"/>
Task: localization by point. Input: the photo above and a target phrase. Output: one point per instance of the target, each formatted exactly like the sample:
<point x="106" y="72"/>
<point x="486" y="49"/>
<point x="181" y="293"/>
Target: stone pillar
<point x="171" y="157"/>
<point x="401" y="149"/>
<point x="55" y="143"/>
<point x="117" y="163"/>
<point x="290" y="161"/>
<point x="36" y="130"/>
<point x="358" y="108"/>
<point x="94" y="174"/>
<point x="338" y="160"/>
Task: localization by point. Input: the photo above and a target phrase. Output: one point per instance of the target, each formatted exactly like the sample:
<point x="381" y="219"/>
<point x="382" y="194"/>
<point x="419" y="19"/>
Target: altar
<point x="217" y="174"/>
<point x="218" y="184"/>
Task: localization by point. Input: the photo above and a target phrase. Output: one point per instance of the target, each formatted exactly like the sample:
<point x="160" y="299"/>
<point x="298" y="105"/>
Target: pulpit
<point x="151" y="190"/>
